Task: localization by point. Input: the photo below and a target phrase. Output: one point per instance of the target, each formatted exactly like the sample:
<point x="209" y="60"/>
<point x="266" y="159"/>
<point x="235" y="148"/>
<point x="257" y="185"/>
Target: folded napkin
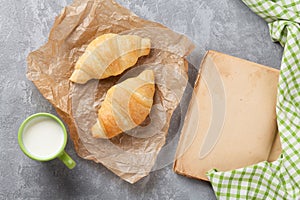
<point x="281" y="178"/>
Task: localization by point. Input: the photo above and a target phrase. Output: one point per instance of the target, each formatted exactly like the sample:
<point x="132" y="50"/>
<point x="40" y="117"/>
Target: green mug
<point x="43" y="137"/>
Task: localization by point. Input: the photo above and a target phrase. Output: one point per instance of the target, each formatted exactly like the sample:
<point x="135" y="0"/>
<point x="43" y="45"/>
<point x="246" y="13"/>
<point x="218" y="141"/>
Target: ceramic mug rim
<point x="21" y="130"/>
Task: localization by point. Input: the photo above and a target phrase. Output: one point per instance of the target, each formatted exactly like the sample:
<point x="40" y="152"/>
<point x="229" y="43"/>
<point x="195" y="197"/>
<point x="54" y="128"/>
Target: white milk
<point x="43" y="137"/>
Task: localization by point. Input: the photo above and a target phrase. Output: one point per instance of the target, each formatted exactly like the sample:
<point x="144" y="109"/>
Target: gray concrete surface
<point x="224" y="25"/>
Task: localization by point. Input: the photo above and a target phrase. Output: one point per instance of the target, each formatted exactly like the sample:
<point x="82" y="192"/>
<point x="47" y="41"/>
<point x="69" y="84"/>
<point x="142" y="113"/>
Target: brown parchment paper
<point x="130" y="155"/>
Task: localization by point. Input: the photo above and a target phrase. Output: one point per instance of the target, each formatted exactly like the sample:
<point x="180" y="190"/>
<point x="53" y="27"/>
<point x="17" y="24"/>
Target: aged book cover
<point x="231" y="119"/>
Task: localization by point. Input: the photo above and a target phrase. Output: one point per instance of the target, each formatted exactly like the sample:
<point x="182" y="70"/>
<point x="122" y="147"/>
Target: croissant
<point x="109" y="55"/>
<point x="125" y="106"/>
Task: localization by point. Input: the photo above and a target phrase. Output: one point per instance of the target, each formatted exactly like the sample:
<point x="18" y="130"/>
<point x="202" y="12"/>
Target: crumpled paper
<point x="130" y="155"/>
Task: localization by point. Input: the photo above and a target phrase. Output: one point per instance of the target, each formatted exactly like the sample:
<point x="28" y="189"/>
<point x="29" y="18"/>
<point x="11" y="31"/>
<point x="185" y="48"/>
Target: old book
<point x="231" y="119"/>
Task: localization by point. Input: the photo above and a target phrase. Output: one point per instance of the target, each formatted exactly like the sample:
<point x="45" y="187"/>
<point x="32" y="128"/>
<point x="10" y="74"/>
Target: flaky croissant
<point x="125" y="106"/>
<point x="109" y="55"/>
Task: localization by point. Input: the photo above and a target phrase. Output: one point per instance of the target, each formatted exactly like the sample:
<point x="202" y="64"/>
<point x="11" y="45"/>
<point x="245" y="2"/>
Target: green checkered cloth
<point x="281" y="178"/>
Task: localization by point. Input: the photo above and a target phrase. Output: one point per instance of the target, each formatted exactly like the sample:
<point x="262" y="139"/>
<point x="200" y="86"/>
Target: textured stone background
<point x="224" y="25"/>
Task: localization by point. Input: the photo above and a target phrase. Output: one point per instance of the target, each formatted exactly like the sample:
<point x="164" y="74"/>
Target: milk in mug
<point x="43" y="137"/>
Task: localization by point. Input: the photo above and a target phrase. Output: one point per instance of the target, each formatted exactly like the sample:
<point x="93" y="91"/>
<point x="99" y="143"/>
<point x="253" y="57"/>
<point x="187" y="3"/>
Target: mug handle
<point x="67" y="160"/>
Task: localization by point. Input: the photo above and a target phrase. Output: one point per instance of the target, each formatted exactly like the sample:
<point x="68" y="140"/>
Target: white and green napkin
<point x="281" y="178"/>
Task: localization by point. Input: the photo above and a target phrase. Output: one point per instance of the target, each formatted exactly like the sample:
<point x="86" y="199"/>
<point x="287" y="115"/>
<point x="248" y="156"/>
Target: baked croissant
<point x="125" y="106"/>
<point x="109" y="55"/>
